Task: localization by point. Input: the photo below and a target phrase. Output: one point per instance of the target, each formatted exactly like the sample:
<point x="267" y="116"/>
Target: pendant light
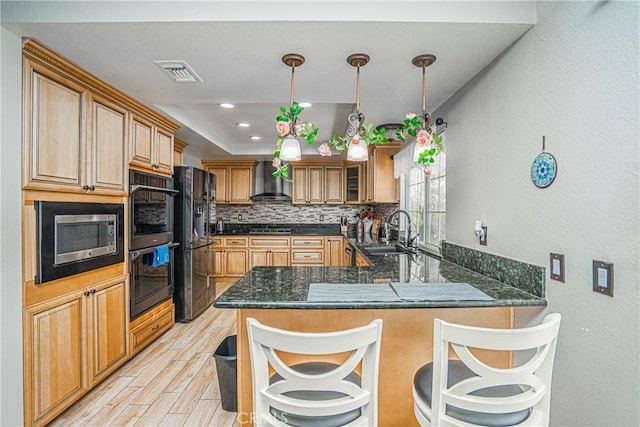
<point x="357" y="151"/>
<point x="423" y="61"/>
<point x="290" y="149"/>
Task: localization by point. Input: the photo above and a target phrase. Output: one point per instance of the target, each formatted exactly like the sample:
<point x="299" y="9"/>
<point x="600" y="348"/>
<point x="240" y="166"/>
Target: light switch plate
<point x="556" y="266"/>
<point x="603" y="277"/>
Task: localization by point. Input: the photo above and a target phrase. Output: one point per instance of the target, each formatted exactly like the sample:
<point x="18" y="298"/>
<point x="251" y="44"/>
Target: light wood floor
<point x="172" y="382"/>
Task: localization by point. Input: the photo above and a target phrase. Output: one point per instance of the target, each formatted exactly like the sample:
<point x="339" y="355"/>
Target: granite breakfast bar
<point x="300" y="298"/>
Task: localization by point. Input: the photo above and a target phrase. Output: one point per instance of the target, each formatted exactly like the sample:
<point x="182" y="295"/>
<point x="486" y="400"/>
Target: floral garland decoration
<point x="366" y="134"/>
<point x="425" y="137"/>
<point x="287" y="124"/>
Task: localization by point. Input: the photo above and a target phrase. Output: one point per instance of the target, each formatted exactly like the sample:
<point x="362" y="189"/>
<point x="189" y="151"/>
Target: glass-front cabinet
<point x="354" y="183"/>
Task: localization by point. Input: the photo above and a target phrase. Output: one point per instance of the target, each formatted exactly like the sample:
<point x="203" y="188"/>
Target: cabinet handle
<point x="92" y="291"/>
<point x="155" y="328"/>
<point x="92" y="188"/>
<point x="86" y="293"/>
<point x="86" y="187"/>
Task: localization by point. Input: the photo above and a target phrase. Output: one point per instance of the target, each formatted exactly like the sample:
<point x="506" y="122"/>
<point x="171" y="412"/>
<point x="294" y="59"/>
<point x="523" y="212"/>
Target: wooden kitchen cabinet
<point x="231" y="257"/>
<point x="75" y="140"/>
<point x="317" y="184"/>
<point x="307" y="250"/>
<point x="71" y="343"/>
<point x="308" y="185"/>
<point x="151" y="146"/>
<point x="269" y="251"/>
<point x="381" y="187"/>
<point x="234" y="181"/>
<point x="333" y="251"/>
<point x="150" y="325"/>
<point x="355" y="183"/>
<point x="178" y="152"/>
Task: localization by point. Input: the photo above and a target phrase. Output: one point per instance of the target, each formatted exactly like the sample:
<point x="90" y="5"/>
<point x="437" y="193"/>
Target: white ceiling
<point x="236" y="48"/>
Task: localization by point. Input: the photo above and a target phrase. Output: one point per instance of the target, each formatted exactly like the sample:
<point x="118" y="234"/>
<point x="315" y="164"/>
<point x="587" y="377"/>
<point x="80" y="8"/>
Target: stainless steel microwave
<point x="76" y="237"/>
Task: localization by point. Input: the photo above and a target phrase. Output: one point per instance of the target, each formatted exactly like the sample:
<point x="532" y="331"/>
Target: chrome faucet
<point x="407" y="233"/>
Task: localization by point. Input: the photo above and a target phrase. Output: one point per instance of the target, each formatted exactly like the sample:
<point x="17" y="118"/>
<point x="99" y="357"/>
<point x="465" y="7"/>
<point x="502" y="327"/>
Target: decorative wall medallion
<point x="543" y="168"/>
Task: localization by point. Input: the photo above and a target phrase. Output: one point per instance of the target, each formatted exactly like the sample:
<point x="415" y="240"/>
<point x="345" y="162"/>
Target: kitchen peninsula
<point x="292" y="298"/>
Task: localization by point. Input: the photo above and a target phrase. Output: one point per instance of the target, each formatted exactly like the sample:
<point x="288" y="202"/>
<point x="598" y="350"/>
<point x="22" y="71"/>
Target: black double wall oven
<point x="150" y="234"/>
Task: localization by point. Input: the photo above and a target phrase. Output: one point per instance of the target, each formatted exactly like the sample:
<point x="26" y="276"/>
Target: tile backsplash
<point x="274" y="212"/>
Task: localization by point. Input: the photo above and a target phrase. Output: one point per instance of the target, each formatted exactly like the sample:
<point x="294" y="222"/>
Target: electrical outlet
<point x="483" y="237"/>
<point x="556" y="266"/>
<point x="321" y="217"/>
<point x="239" y="217"/>
<point x="603" y="277"/>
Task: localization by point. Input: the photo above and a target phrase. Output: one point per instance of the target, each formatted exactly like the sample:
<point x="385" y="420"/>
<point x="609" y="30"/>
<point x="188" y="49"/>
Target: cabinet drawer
<point x="217" y="241"/>
<point x="235" y="241"/>
<point x="269" y="242"/>
<point x="145" y="333"/>
<point x="307" y="257"/>
<point x="307" y="242"/>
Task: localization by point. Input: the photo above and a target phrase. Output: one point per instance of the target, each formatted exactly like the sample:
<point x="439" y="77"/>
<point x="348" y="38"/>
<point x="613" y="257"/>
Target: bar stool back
<point x="470" y="392"/>
<point x="315" y="393"/>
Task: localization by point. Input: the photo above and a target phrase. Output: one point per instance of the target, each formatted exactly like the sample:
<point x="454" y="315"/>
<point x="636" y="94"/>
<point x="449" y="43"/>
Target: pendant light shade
<point x="290" y="149"/>
<point x="357" y="151"/>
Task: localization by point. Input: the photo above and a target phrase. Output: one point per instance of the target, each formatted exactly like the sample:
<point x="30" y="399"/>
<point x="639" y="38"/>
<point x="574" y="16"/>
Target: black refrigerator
<point x="194" y="211"/>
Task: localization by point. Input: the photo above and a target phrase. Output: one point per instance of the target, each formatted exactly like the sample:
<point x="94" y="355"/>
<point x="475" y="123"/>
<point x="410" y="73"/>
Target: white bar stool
<point x="468" y="392"/>
<point x="315" y="393"/>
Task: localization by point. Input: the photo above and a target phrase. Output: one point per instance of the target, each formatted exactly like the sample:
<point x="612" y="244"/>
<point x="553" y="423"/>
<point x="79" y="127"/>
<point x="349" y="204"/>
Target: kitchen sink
<point x="387" y="249"/>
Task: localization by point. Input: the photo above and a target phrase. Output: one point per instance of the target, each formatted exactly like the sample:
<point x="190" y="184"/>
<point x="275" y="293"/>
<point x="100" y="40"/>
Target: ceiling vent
<point x="178" y="71"/>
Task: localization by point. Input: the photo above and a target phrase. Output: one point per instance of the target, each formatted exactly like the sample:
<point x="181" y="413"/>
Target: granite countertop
<point x="288" y="287"/>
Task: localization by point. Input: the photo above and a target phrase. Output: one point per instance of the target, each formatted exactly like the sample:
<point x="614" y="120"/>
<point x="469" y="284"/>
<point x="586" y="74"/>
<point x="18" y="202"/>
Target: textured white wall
<point x="10" y="243"/>
<point x="574" y="78"/>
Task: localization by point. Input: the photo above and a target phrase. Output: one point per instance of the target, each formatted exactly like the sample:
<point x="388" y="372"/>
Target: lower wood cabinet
<point x="71" y="343"/>
<point x="333" y="251"/>
<point x="231" y="257"/>
<point x="149" y="326"/>
<point x="269" y="251"/>
<point x="307" y="250"/>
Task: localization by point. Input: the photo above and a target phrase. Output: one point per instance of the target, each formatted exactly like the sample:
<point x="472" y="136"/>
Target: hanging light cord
<point x="293" y="76"/>
<point x="424" y="96"/>
<point x="358" y="91"/>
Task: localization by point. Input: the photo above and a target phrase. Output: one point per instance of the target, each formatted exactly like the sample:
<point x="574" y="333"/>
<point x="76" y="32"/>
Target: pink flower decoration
<point x="410" y="116"/>
<point x="355" y="139"/>
<point x="283" y="128"/>
<point x="297" y="129"/>
<point x="324" y="150"/>
<point x="427" y="171"/>
<point x="276" y="162"/>
<point x="423" y="138"/>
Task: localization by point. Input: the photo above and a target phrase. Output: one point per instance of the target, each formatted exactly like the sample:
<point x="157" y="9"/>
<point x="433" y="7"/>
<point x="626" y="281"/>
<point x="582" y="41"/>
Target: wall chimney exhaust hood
<point x="269" y="187"/>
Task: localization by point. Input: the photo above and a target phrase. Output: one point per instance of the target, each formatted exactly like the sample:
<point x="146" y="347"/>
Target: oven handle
<point x="169" y="191"/>
<point x="135" y="254"/>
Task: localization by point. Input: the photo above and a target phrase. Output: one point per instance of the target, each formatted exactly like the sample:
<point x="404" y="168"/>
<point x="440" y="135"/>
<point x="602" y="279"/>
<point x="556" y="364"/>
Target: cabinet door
<point x="53" y="111"/>
<point x="163" y="161"/>
<point x="235" y="262"/>
<point x="316" y="184"/>
<point x="221" y="184"/>
<point x="108" y="330"/>
<point x="240" y="180"/>
<point x="333" y="184"/>
<point x="280" y="258"/>
<point x="218" y="263"/>
<point x="141" y="142"/>
<point x="385" y="186"/>
<point x="299" y="190"/>
<point x="54" y="356"/>
<point x="258" y="258"/>
<point x="334" y="251"/>
<point x="353" y="184"/>
<point x="107" y="145"/>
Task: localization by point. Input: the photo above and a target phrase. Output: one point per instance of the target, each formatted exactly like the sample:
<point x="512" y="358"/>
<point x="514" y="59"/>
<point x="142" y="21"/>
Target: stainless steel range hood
<point x="269" y="187"/>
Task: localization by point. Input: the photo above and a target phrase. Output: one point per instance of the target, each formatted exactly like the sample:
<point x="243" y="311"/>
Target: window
<point x="425" y="200"/>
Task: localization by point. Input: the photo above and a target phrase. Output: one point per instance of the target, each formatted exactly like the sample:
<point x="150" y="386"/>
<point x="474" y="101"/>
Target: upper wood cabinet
<point x="234" y="181"/>
<point x="382" y="187"/>
<point x="75" y="140"/>
<point x="77" y="129"/>
<point x="178" y="155"/>
<point x="151" y="146"/>
<point x="355" y="183"/>
<point x="317" y="184"/>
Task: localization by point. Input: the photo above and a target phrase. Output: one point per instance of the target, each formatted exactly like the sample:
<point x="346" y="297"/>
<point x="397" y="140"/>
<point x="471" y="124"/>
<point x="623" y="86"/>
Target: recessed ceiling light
<point x="226" y="105"/>
<point x="255" y="137"/>
<point x="305" y="104"/>
<point x="243" y="124"/>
